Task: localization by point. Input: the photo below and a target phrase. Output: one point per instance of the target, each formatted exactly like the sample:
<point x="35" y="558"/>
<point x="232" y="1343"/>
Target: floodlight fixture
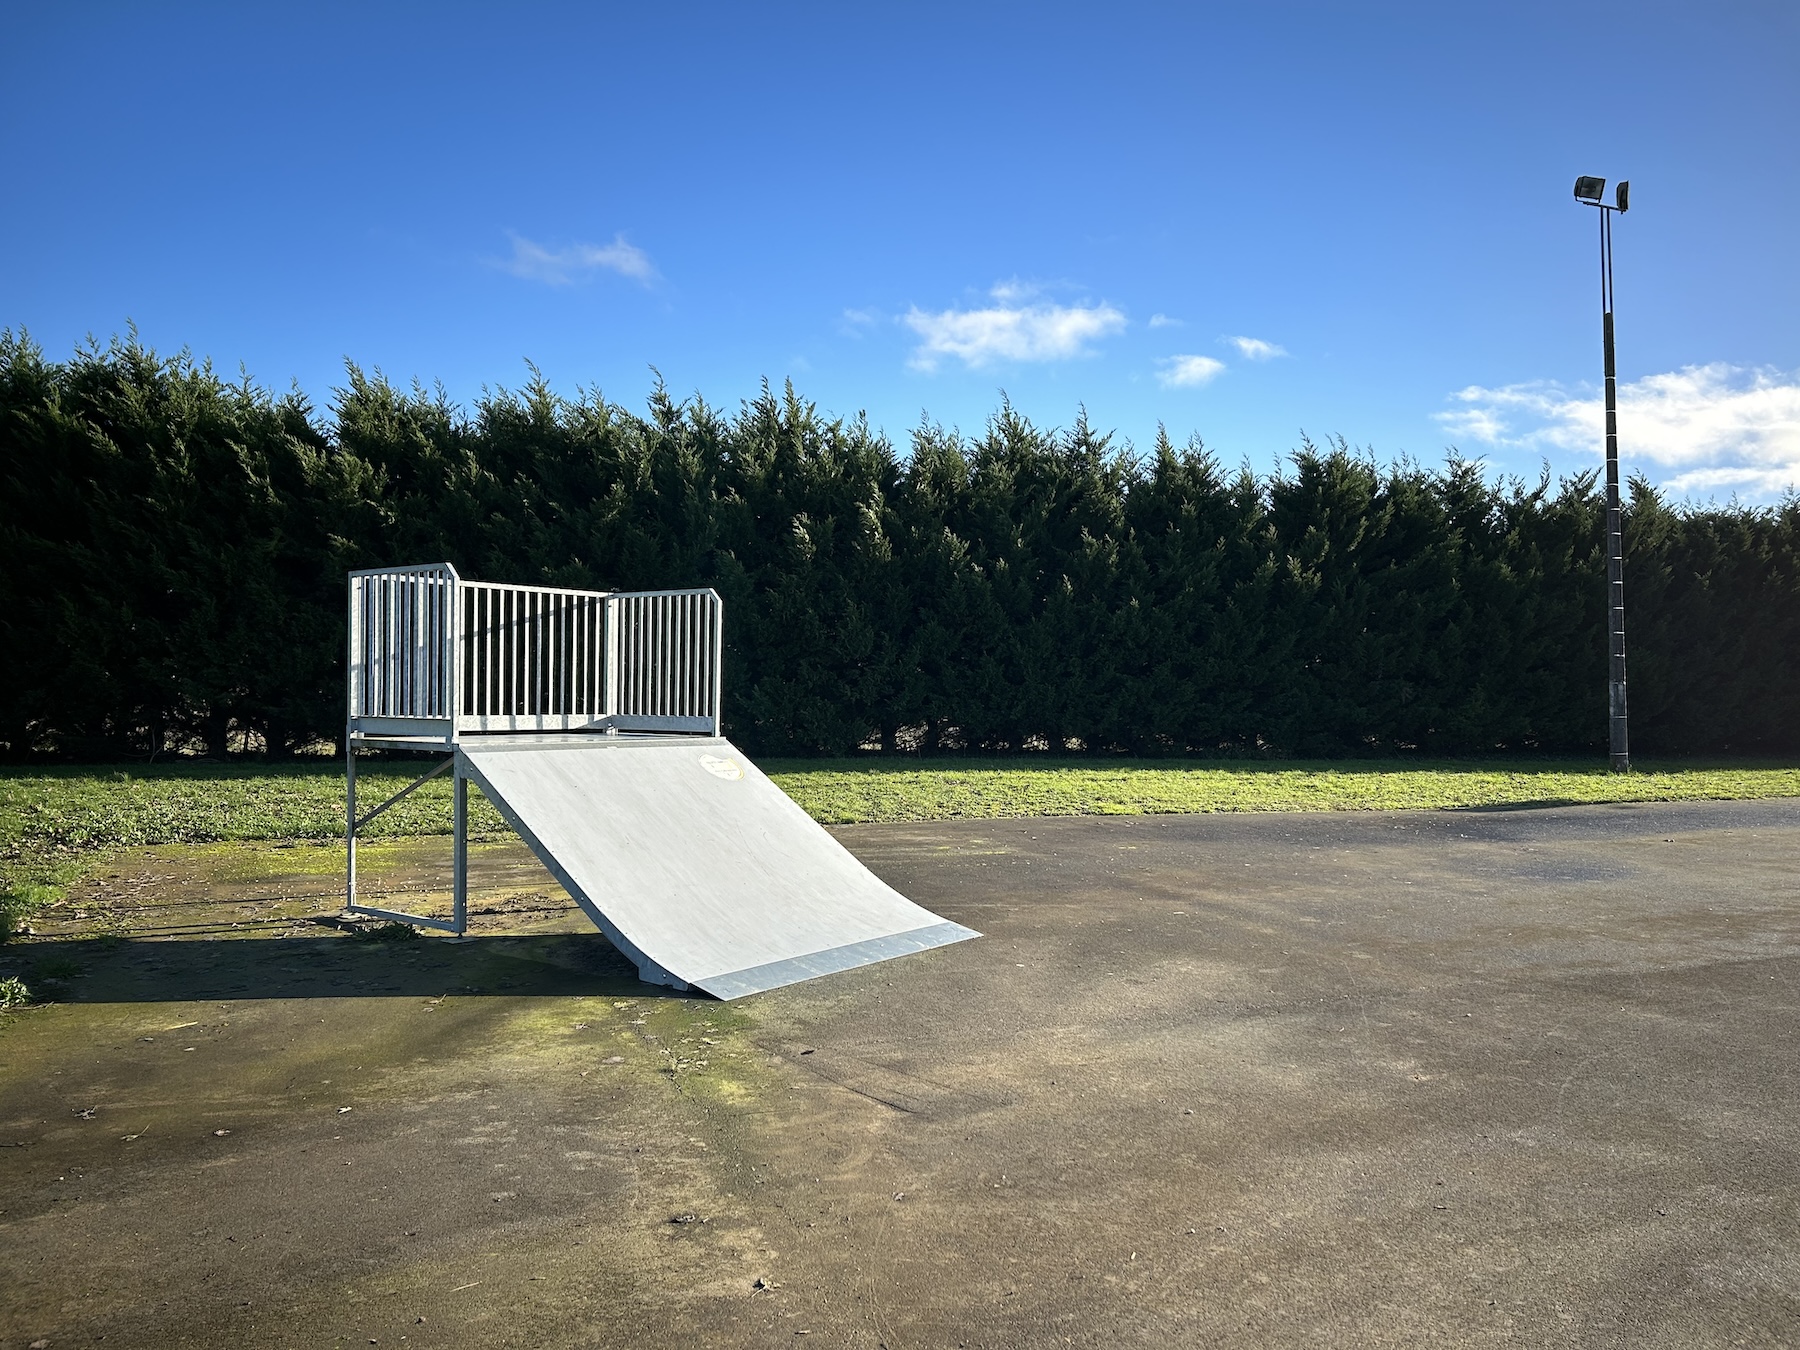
<point x="1622" y="198"/>
<point x="1590" y="189"/>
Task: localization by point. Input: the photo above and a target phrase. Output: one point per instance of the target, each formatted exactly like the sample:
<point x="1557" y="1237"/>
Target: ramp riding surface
<point x="697" y="867"/>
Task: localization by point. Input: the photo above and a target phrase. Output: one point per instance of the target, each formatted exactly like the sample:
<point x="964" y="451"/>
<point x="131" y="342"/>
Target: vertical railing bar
<point x="352" y="651"/>
<point x="377" y="592"/>
<point x="422" y="678"/>
<point x="396" y="649"/>
<point x="428" y="627"/>
<point x="440" y="665"/>
<point x="609" y="664"/>
<point x="387" y="648"/>
<point x="409" y="653"/>
<point x="453" y="652"/>
<point x="428" y="595"/>
<point x="409" y="635"/>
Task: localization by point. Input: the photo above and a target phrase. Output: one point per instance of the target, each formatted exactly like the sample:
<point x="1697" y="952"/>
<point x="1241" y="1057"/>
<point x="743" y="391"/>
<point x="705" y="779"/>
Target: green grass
<point x="852" y="792"/>
<point x="53" y="819"/>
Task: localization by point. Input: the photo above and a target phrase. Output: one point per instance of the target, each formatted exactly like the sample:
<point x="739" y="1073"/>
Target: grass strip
<point x="46" y="812"/>
<point x="856" y="793"/>
<point x="53" y="820"/>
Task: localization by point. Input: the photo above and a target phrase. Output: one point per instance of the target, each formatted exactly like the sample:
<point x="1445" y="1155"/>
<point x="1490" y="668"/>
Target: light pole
<point x="1589" y="191"/>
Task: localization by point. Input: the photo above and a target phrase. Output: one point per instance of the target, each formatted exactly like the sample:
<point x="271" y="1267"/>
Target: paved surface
<point x="1471" y="1078"/>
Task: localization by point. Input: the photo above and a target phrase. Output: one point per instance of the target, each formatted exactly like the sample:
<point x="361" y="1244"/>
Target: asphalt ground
<point x="1266" y="1080"/>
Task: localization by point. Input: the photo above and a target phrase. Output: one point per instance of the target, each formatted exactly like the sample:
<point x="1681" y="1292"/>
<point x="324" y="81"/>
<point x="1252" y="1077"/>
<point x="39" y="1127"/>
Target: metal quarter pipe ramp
<point x="697" y="867"/>
<point x="591" y="719"/>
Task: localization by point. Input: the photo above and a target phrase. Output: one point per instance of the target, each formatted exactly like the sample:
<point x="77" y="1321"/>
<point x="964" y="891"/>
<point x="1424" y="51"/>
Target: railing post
<point x="453" y="648"/>
<point x="609" y="663"/>
<point x="718" y="671"/>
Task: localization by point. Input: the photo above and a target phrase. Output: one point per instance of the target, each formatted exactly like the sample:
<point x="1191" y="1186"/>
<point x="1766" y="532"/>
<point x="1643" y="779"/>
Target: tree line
<point x="173" y="547"/>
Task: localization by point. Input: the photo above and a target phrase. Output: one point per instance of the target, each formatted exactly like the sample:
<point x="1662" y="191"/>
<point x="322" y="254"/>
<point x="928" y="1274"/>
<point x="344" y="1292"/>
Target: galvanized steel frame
<point x="433" y="657"/>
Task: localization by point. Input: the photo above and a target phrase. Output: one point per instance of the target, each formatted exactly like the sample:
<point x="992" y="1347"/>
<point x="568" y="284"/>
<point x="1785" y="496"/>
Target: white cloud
<point x="1188" y="372"/>
<point x="1009" y="331"/>
<point x="1255" y="349"/>
<point x="1720" y="428"/>
<point x="1164" y="321"/>
<point x="1007" y="292"/>
<point x="561" y="266"/>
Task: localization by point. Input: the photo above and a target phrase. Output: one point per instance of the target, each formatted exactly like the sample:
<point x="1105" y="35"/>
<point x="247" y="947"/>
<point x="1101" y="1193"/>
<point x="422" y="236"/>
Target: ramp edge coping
<point x="793" y="969"/>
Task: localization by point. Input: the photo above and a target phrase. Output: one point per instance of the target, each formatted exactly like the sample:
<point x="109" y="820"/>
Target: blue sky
<point x="1241" y="221"/>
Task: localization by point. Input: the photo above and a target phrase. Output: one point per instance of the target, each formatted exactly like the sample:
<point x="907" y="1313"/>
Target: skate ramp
<point x="693" y="863"/>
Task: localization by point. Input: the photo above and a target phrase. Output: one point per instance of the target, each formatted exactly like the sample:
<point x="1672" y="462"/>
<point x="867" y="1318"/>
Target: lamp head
<point x="1590" y="189"/>
<point x="1622" y="197"/>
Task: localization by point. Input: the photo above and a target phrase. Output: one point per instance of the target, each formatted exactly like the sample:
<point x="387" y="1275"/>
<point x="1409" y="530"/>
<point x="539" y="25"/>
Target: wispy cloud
<point x="1720" y="428"/>
<point x="1011" y="292"/>
<point x="1188" y="372"/>
<point x="1009" y="330"/>
<point x="1164" y="321"/>
<point x="577" y="262"/>
<point x="857" y="322"/>
<point x="1255" y="349"/>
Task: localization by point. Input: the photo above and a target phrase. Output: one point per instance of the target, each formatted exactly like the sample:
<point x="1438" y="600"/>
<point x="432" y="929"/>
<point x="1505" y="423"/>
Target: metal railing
<point x="433" y="656"/>
<point x="401" y="626"/>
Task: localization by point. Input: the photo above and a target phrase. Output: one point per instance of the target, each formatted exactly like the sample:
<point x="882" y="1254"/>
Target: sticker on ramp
<point x="721" y="768"/>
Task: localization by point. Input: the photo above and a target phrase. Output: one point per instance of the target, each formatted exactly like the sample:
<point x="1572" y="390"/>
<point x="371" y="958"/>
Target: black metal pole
<point x="1615" y="533"/>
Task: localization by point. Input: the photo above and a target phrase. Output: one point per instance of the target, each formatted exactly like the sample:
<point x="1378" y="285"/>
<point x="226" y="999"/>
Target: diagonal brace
<point x="406" y="791"/>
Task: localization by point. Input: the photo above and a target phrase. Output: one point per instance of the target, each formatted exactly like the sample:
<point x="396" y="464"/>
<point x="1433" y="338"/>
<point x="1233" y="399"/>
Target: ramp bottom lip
<point x="773" y="975"/>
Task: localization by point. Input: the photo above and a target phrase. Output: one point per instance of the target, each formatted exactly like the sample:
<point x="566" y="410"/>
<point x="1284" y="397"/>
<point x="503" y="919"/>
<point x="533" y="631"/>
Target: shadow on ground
<point x="128" y="970"/>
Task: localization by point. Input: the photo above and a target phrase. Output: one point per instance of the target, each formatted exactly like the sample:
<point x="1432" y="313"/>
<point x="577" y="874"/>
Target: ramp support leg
<point x="460" y="850"/>
<point x="349" y="822"/>
<point x="353" y="823"/>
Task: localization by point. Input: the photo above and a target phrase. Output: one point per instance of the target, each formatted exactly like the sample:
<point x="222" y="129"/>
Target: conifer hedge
<point x="173" y="548"/>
